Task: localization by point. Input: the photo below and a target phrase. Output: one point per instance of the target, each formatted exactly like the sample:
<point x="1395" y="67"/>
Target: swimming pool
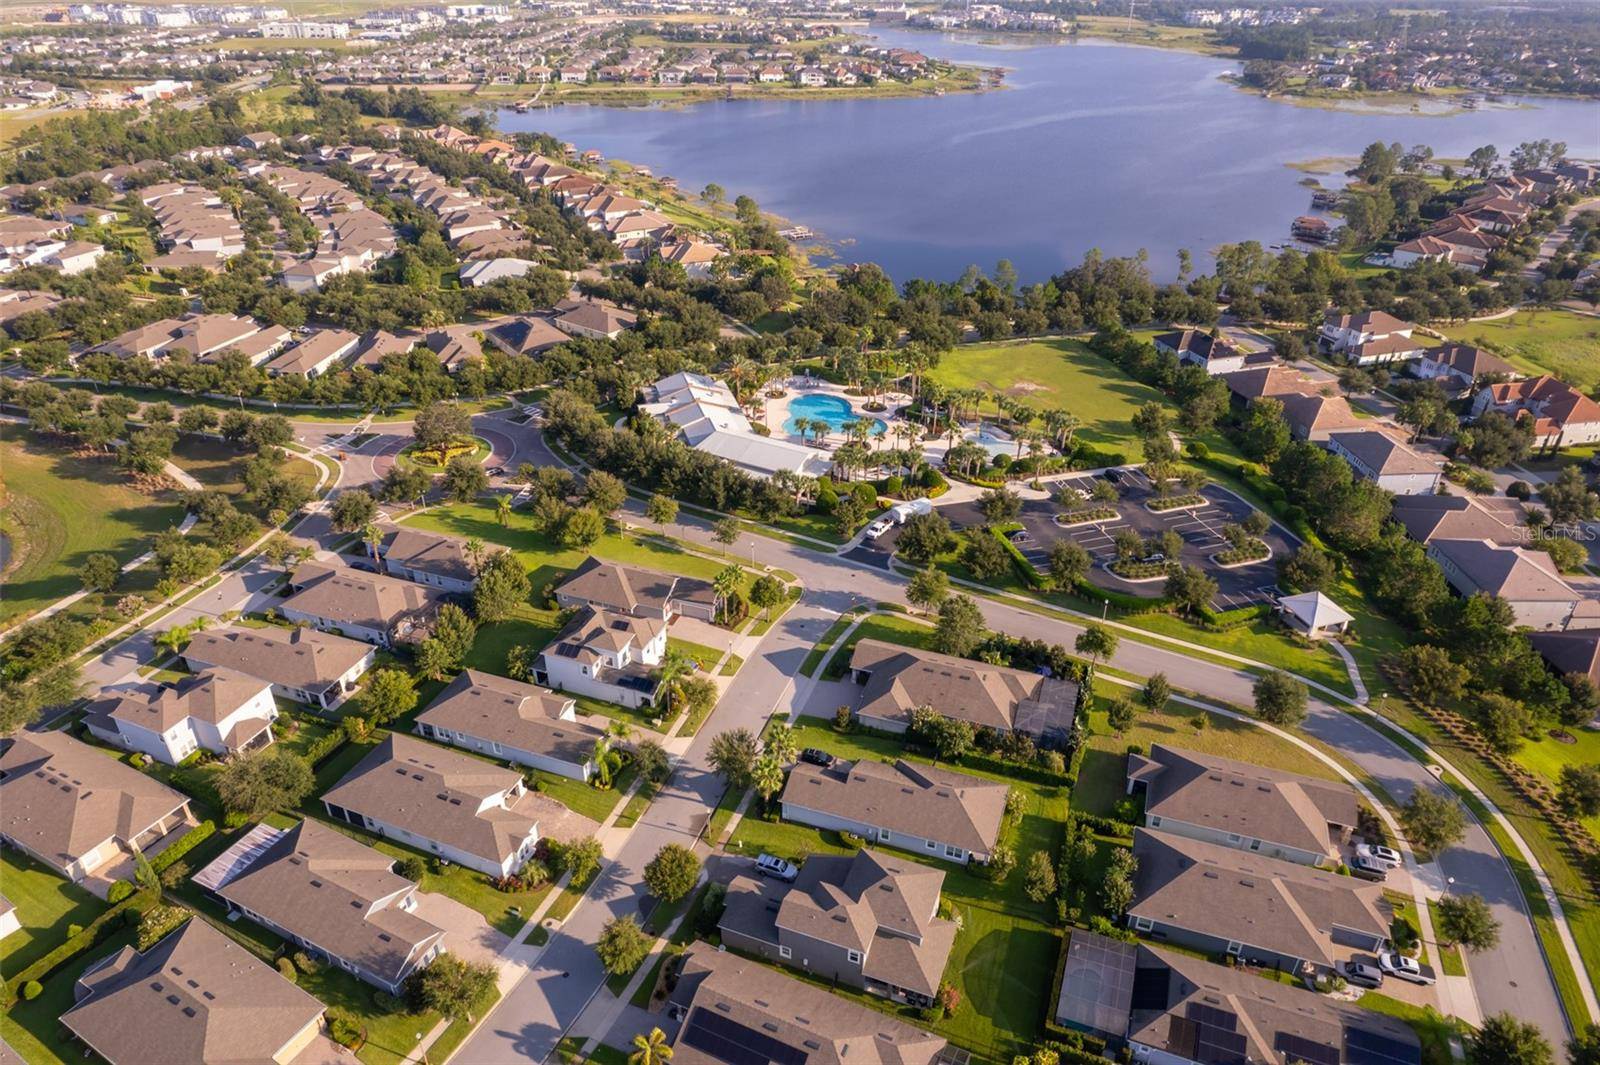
<point x="835" y="410"/>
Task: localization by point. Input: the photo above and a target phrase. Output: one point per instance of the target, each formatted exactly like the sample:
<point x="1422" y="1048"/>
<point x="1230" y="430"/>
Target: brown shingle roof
<point x="301" y="658"/>
<point x="905" y="678"/>
<point x="513" y="714"/>
<point x="913" y="800"/>
<point x="369" y="600"/>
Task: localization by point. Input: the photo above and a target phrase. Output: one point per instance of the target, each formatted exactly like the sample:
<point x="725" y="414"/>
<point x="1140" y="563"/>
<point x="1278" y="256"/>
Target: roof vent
<point x="188" y="1011"/>
<point x="316" y="883"/>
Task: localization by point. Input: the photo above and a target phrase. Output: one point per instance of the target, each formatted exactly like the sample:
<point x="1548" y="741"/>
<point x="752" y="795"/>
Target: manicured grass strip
<point x="1450" y="962"/>
<point x="453" y="1036"/>
<point x="47" y="907"/>
<point x="1433" y="1029"/>
<point x="820" y="650"/>
<point x="888" y="628"/>
<point x="733" y="664"/>
<point x="705" y="657"/>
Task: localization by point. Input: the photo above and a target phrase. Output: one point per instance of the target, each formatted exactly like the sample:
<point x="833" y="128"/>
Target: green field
<point x="890" y="628"/>
<point x="218" y="466"/>
<point x="1562" y="343"/>
<point x="1055" y="374"/>
<point x="47" y="907"/>
<point x="1548" y="756"/>
<point x="58" y="510"/>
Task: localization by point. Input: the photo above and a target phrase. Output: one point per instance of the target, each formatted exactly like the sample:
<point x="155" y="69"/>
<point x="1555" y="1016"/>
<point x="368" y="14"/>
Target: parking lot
<point x="1200" y="528"/>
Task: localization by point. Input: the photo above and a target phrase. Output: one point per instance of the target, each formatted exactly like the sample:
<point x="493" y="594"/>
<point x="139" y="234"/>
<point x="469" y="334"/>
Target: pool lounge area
<point x="836" y="410"/>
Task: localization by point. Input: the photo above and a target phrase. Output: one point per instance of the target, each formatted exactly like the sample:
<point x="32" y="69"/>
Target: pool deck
<point x="777" y="410"/>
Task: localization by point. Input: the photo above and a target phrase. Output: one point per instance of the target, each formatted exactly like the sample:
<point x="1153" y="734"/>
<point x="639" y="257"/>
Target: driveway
<point x="466" y="933"/>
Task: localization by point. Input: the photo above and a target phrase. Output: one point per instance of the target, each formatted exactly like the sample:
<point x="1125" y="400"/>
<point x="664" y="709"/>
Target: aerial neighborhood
<point x="467" y="598"/>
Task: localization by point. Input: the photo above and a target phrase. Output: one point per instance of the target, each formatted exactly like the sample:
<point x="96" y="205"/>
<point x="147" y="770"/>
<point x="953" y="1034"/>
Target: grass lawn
<point x="1548" y="756"/>
<point x="46" y="906"/>
<point x="568" y="1052"/>
<point x="548" y="561"/>
<point x="820" y="649"/>
<point x="531" y="627"/>
<point x="1433" y="1029"/>
<point x="705" y="657"/>
<point x="890" y="628"/>
<point x="216" y="465"/>
<point x="586" y="799"/>
<point x="59" y="509"/>
<point x="1053" y="373"/>
<point x="1554" y="342"/>
<point x="1006" y="940"/>
<point x="33" y="1029"/>
<point x="1450" y="962"/>
<point x="1102" y="777"/>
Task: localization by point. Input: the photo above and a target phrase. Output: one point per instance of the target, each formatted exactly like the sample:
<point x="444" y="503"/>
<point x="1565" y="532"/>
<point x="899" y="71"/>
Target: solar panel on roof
<point x="1217" y="1042"/>
<point x="1300" y="1049"/>
<point x="1362" y="1047"/>
<point x="1151" y="985"/>
<point x="729" y="1041"/>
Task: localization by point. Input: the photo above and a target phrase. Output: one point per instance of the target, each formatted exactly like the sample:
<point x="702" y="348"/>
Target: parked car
<point x="1021" y="537"/>
<point x="816" y="756"/>
<point x="1368" y="868"/>
<point x="775" y="867"/>
<point x="496" y="471"/>
<point x="878" y="528"/>
<point x="1361" y="974"/>
<point x="1157" y="557"/>
<point x="1401" y="967"/>
<point x="1386" y="856"/>
<point x="1111" y="475"/>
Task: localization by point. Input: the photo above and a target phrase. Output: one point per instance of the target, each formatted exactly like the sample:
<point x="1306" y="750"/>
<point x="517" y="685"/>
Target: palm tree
<point x="726" y="584"/>
<point x="502" y="510"/>
<point x="652" y="1049"/>
<point x="475" y="551"/>
<point x="675" y="668"/>
<point x="606" y="762"/>
<point x="372" y="536"/>
<point x="767" y="777"/>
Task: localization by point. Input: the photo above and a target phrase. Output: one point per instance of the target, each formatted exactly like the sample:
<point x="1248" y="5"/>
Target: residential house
<point x="1527" y="580"/>
<point x="636" y="591"/>
<point x="513" y="720"/>
<point x="379" y="343"/>
<point x="429" y="558"/>
<point x="219" y="711"/>
<point x="301" y="664"/>
<point x="367" y="606"/>
<point x="1195" y="348"/>
<point x="1314" y="615"/>
<point x="1222" y="900"/>
<point x="606" y="656"/>
<point x="330" y="894"/>
<point x="1172" y="1008"/>
<point x="735" y="1009"/>
<point x="897" y="680"/>
<point x="1252" y="808"/>
<point x="488" y="271"/>
<point x="1368" y="339"/>
<point x="590" y="318"/>
<point x="75" y="810"/>
<point x="210" y="334"/>
<point x="1453" y="517"/>
<point x="1461" y="366"/>
<point x="316" y="354"/>
<point x="195" y="995"/>
<point x="464" y="809"/>
<point x="1269" y="382"/>
<point x="1567" y="653"/>
<point x="870" y="921"/>
<point x="525" y="335"/>
<point x="1562" y="416"/>
<point x="1390" y="464"/>
<point x="1317" y="417"/>
<point x="918" y="808"/>
<point x="16" y="302"/>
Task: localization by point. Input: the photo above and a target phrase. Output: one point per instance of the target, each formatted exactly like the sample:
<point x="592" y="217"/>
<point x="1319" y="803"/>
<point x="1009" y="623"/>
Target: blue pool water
<point x="831" y="409"/>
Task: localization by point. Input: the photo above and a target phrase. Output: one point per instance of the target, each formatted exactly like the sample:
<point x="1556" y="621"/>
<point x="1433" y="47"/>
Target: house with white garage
<point x="1461" y="366"/>
<point x="219" y="711"/>
<point x="1390" y="464"/>
<point x="644" y="593"/>
<point x="374" y="607"/>
<point x="607" y="656"/>
<point x="1527" y="580"/>
<point x="1194" y="348"/>
<point x="1370" y="338"/>
<point x="76" y="810"/>
<point x="470" y="811"/>
<point x="918" y="808"/>
<point x="429" y="558"/>
<point x="513" y="720"/>
<point x="303" y="665"/>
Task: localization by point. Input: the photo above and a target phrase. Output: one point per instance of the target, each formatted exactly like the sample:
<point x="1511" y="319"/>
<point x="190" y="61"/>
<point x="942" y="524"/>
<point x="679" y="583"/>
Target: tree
<point x="99" y="572"/>
<point x="1584" y="1048"/>
<point x="780" y="743"/>
<point x="604" y="493"/>
<point x="582" y="527"/>
<point x="502" y="587"/>
<point x="1157" y="690"/>
<point x="438" y="425"/>
<point x="1569" y="497"/>
<point x="1068" y="563"/>
<point x="923" y="538"/>
<point x="502" y="510"/>
<point x="1508" y="1040"/>
<point x="663" y="510"/>
<point x="1280" y="699"/>
<point x="671" y="874"/>
<point x="726" y="583"/>
<point x="985" y="555"/>
<point x="1097" y="641"/>
<point x="960" y="627"/>
<point x="651" y="1049"/>
<point x="453" y="987"/>
<point x="581" y="859"/>
<point x="455" y="631"/>
<point x="387" y="694"/>
<point x="405" y="484"/>
<point x="1190" y="589"/>
<point x="1116" y="887"/>
<point x="1580" y="789"/>
<point x="767" y="593"/>
<point x="1040" y="881"/>
<point x="464" y="479"/>
<point x="766" y="776"/>
<point x="352" y="510"/>
<point x="435" y="661"/>
<point x="652" y="761"/>
<point x="1120" y="715"/>
<point x="264" y="782"/>
<point x="1434" y="676"/>
<point x="725" y="531"/>
<point x="1432" y="821"/>
<point x="927" y="589"/>
<point x="622" y="945"/>
<point x="733" y="754"/>
<point x="1000" y="505"/>
<point x="1467" y="920"/>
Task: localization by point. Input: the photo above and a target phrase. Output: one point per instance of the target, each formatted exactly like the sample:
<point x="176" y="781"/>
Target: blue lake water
<point x="1090" y="145"/>
<point x="835" y="411"/>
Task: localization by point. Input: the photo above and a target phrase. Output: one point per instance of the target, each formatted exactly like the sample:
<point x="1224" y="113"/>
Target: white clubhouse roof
<point x="708" y="418"/>
<point x="1315" y="610"/>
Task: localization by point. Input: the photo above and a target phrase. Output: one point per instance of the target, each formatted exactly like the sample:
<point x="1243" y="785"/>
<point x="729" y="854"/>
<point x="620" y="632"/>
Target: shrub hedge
<point x="191" y="839"/>
<point x="101" y="927"/>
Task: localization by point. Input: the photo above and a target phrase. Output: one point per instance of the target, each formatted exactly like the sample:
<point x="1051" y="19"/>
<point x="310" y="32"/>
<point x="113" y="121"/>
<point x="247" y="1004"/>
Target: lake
<point x="1090" y="145"/>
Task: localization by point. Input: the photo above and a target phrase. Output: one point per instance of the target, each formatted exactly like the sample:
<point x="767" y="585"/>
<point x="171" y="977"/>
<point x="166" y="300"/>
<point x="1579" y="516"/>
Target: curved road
<point x="1512" y="977"/>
